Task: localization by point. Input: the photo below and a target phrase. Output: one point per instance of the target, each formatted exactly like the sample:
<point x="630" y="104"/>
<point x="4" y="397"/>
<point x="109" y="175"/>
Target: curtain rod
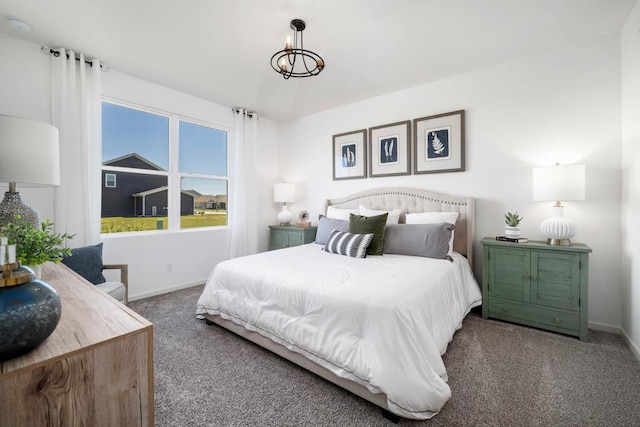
<point x="243" y="111"/>
<point x="57" y="54"/>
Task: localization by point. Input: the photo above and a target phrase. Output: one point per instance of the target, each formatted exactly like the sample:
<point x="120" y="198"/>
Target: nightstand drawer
<point x="532" y="315"/>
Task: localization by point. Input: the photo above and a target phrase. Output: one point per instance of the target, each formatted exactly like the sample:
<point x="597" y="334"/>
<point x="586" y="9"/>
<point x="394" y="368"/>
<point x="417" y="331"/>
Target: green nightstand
<point x="289" y="236"/>
<point x="537" y="285"/>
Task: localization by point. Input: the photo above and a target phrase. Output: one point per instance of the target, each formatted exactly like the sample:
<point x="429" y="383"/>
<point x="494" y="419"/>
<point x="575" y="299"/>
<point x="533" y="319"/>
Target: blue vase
<point x="29" y="313"/>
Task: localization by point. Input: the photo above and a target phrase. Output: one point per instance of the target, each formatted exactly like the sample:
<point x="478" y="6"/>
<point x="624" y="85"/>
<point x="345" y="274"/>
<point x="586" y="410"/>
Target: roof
<point x="132" y="156"/>
<point x="192" y="193"/>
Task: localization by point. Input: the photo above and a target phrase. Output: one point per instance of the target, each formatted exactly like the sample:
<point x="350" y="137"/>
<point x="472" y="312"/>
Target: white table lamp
<point x="29" y="156"/>
<point x="557" y="183"/>
<point x="283" y="193"/>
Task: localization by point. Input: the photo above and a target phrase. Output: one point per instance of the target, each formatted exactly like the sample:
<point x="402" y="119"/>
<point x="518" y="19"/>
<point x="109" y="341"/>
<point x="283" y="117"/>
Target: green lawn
<point x="126" y="224"/>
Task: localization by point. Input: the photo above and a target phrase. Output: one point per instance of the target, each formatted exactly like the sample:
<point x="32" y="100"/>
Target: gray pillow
<point x="425" y="240"/>
<point x="326" y="224"/>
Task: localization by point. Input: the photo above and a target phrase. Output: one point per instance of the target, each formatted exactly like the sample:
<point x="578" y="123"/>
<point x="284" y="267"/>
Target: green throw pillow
<point x="360" y="224"/>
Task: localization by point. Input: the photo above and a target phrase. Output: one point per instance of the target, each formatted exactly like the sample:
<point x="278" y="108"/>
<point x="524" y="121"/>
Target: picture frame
<point x="349" y="155"/>
<point x="389" y="149"/>
<point x="438" y="143"/>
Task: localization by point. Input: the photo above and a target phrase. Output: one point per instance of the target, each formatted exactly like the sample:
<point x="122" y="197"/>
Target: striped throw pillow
<point x="349" y="244"/>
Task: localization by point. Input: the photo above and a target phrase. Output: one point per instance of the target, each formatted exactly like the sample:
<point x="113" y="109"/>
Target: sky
<point x="202" y="150"/>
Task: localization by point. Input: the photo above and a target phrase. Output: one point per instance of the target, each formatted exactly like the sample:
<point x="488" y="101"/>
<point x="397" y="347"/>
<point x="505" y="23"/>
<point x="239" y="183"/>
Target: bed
<point x="376" y="326"/>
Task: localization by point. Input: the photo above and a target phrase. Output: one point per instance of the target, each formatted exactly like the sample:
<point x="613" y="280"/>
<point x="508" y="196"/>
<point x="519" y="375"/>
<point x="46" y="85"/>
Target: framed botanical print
<point x="439" y="143"/>
<point x="389" y="149"/>
<point x="349" y="155"/>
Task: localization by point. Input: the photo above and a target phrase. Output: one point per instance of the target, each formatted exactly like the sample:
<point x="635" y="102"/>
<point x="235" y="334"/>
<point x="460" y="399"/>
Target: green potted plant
<point x="512" y="228"/>
<point x="35" y="246"/>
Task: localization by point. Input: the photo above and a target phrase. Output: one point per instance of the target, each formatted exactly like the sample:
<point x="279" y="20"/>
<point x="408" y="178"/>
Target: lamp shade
<point x="560" y="182"/>
<point x="283" y="193"/>
<point x="29" y="152"/>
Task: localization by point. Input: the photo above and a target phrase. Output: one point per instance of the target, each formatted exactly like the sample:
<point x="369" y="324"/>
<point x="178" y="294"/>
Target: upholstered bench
<point x="118" y="290"/>
<point x="87" y="262"/>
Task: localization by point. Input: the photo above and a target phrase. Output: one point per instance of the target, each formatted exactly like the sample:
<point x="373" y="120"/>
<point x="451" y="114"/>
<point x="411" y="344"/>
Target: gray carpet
<point x="500" y="375"/>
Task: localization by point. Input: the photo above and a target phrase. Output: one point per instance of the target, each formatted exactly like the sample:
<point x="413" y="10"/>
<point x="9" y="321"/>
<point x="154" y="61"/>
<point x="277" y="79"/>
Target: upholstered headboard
<point x="415" y="200"/>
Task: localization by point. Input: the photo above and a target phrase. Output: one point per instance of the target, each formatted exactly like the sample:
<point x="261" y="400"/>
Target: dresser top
<point x="292" y="227"/>
<point x="538" y="245"/>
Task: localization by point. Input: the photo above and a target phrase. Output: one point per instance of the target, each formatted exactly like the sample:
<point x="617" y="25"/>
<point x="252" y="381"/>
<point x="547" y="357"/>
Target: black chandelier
<point x="308" y="63"/>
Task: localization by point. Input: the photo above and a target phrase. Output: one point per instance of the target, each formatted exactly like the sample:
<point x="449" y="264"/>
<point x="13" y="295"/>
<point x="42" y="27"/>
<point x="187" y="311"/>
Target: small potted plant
<point x="35" y="246"/>
<point x="512" y="228"/>
<point x="303" y="216"/>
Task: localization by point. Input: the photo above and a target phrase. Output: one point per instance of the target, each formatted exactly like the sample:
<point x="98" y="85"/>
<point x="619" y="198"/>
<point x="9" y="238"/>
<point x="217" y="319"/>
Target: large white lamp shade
<point x="29" y="156"/>
<point x="284" y="193"/>
<point x="558" y="183"/>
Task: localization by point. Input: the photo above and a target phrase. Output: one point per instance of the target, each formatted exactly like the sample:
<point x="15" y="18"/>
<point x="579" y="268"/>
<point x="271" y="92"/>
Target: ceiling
<point x="220" y="49"/>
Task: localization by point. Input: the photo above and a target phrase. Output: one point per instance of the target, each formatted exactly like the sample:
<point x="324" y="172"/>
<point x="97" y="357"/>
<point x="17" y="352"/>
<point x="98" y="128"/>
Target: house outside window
<point x="165" y="165"/>
<point x="110" y="180"/>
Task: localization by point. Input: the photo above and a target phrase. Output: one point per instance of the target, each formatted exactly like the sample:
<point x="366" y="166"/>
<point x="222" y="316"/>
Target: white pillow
<point x="434" y="218"/>
<point x="392" y="218"/>
<point x="338" y="213"/>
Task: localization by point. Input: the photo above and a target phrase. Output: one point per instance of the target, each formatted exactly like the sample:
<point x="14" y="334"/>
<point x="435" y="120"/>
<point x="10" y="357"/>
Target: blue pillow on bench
<point x="87" y="262"/>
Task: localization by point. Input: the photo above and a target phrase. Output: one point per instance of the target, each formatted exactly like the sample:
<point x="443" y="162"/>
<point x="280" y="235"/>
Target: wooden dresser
<point x="536" y="284"/>
<point x="96" y="369"/>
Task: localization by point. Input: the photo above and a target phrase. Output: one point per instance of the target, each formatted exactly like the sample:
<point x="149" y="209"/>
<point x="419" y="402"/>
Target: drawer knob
<point x="505" y="309"/>
<point x="557" y="320"/>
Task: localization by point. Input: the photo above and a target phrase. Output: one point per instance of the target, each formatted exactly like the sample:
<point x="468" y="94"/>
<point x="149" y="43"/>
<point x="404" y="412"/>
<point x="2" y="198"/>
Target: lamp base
<point x="559" y="242"/>
<point x="284" y="216"/>
<point x="558" y="229"/>
<point x="13" y="205"/>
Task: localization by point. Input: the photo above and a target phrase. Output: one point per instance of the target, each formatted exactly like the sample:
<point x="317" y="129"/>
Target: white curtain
<point x="76" y="108"/>
<point x="244" y="201"/>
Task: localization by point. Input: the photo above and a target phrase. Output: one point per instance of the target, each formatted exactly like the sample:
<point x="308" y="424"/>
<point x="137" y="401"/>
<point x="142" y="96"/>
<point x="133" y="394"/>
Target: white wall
<point x="630" y="42"/>
<point x="562" y="106"/>
<point x="25" y="92"/>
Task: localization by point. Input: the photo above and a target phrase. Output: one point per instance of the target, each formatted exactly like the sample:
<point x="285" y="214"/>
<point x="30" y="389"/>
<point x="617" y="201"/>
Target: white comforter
<point x="382" y="321"/>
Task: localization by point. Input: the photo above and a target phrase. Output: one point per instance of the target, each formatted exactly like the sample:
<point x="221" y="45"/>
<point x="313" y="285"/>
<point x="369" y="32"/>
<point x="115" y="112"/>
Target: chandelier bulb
<point x="283" y="66"/>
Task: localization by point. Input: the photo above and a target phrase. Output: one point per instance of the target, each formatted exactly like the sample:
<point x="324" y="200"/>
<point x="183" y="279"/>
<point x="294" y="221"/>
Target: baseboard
<point x="604" y="327"/>
<point x="635" y="348"/>
<point x="165" y="290"/>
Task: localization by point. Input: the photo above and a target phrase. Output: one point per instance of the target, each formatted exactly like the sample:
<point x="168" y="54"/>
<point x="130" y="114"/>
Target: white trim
<point x="167" y="290"/>
<point x="618" y="330"/>
<point x="134" y="170"/>
<point x="143" y="233"/>
<point x="604" y="327"/>
<point x="635" y="348"/>
<point x="168" y="114"/>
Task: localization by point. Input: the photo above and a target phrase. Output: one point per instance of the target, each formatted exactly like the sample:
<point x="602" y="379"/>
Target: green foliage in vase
<point x="35" y="246"/>
<point x="512" y="219"/>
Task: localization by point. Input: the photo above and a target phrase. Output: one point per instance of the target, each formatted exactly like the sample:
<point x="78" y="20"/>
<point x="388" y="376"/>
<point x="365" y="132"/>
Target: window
<point x="172" y="172"/>
<point x="110" y="180"/>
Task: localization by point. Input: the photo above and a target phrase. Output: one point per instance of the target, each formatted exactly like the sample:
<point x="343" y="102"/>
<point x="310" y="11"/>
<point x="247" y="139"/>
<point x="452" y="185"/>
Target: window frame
<point x="174" y="176"/>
